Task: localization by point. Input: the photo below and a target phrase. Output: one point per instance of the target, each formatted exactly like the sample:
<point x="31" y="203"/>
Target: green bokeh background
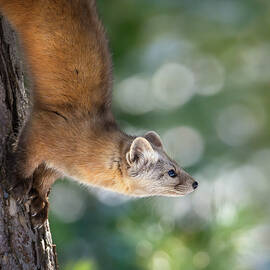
<point x="215" y="123"/>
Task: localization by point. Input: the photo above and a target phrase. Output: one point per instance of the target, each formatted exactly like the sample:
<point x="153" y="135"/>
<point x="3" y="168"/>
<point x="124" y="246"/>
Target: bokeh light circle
<point x="173" y="85"/>
<point x="133" y="95"/>
<point x="237" y="124"/>
<point x="209" y="76"/>
<point x="185" y="144"/>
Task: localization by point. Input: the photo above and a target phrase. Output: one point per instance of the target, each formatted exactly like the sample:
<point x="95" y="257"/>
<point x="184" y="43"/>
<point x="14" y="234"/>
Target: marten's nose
<point x="195" y="184"/>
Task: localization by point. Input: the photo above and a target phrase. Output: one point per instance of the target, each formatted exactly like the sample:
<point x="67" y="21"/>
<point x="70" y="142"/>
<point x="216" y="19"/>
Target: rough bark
<point x="21" y="246"/>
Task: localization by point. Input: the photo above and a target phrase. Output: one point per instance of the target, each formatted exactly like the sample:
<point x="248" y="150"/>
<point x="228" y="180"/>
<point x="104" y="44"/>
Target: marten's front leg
<point x="43" y="178"/>
<point x="33" y="187"/>
<point x="22" y="164"/>
<point x="31" y="178"/>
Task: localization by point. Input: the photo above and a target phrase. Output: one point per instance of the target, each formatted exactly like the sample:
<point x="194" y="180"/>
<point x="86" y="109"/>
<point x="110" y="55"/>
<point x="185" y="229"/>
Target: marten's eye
<point x="172" y="173"/>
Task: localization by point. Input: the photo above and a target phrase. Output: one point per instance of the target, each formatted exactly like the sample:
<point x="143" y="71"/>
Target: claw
<point x="36" y="227"/>
<point x="19" y="200"/>
<point x="10" y="188"/>
<point x="31" y="197"/>
<point x="34" y="214"/>
<point x="40" y="226"/>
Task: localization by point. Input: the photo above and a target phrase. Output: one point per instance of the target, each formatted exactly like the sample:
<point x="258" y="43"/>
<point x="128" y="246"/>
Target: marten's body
<point x="71" y="130"/>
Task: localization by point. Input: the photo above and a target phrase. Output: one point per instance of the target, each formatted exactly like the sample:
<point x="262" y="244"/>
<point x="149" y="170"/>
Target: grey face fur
<point x="149" y="166"/>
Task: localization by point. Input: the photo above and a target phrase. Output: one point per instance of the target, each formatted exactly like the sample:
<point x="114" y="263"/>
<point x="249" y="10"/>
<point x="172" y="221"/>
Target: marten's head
<point x="152" y="172"/>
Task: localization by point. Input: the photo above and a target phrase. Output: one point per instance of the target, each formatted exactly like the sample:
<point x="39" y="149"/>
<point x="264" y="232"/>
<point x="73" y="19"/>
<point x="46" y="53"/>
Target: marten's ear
<point x="154" y="138"/>
<point x="140" y="151"/>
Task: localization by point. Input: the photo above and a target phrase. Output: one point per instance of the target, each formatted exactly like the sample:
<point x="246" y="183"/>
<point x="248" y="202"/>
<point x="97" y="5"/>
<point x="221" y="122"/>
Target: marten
<point x="71" y="130"/>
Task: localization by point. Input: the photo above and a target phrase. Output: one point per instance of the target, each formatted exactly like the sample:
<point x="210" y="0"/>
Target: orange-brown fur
<point x="71" y="130"/>
<point x="71" y="127"/>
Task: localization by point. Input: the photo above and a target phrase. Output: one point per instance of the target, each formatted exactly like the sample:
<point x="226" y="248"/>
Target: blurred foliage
<point x="198" y="73"/>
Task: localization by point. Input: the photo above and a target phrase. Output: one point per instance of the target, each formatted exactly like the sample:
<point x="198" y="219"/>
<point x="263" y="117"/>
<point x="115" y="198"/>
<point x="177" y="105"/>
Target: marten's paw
<point x="38" y="209"/>
<point x="20" y="187"/>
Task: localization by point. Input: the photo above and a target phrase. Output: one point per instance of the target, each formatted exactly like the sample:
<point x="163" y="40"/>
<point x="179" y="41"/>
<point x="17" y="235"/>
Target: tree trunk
<point x="21" y="246"/>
